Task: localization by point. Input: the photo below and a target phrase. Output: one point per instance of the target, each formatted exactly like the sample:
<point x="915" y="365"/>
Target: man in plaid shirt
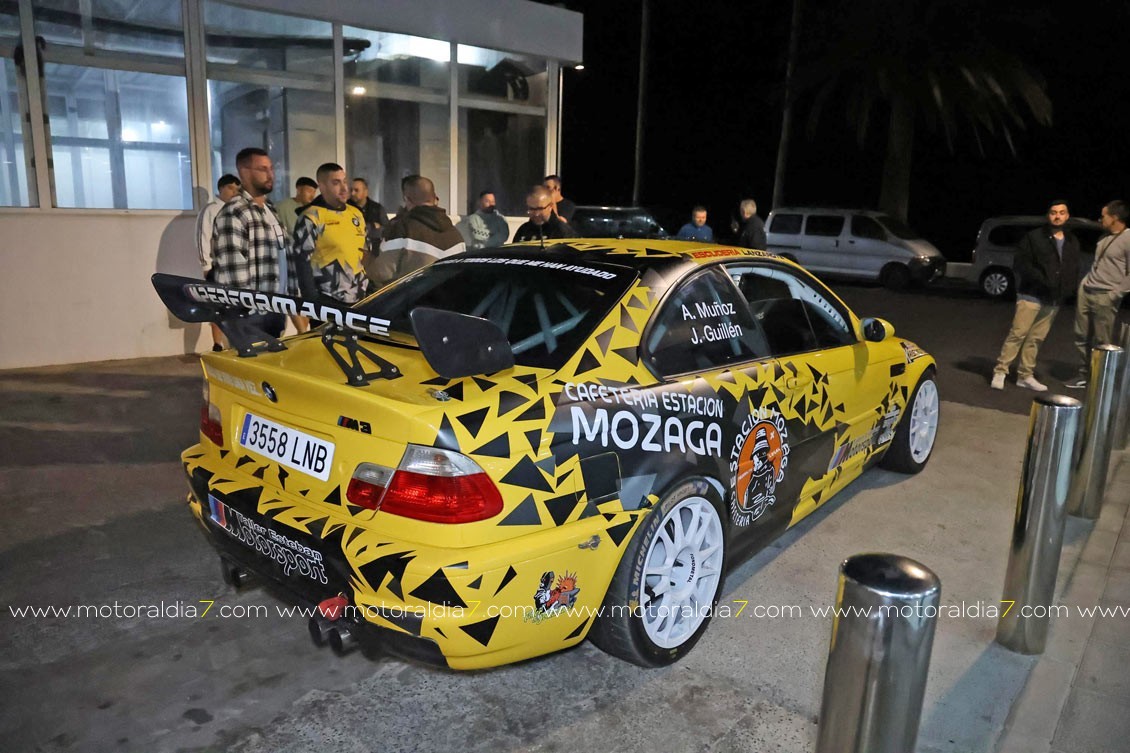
<point x="250" y="248"/>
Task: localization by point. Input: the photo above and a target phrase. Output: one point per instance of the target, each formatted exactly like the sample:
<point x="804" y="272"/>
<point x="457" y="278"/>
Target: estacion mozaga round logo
<point x="761" y="464"/>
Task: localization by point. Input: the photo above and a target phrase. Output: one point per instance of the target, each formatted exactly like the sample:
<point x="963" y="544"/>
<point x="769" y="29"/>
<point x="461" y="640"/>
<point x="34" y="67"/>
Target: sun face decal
<point x="761" y="464"/>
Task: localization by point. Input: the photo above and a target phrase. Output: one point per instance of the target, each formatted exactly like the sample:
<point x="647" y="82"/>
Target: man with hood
<point x="484" y="228"/>
<point x="330" y="242"/>
<point x="419" y="235"/>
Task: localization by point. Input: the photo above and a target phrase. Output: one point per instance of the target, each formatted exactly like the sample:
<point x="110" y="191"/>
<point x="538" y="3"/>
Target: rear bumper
<point x="466" y="608"/>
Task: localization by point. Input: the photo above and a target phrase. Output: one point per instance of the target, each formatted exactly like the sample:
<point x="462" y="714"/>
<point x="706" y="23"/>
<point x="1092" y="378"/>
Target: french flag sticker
<point x="219" y="514"/>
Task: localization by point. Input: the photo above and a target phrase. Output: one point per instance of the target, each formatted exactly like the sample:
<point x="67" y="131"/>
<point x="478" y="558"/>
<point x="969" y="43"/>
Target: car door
<point x="705" y="340"/>
<point x="868" y="246"/>
<point x="837" y="385"/>
<point x="820" y="244"/>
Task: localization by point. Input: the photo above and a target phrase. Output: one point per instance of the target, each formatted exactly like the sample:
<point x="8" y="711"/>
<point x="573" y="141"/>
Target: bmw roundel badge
<point x="269" y="391"/>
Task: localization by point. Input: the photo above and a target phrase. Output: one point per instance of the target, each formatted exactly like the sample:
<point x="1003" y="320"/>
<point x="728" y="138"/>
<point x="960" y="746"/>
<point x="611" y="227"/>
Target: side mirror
<point x="877" y="330"/>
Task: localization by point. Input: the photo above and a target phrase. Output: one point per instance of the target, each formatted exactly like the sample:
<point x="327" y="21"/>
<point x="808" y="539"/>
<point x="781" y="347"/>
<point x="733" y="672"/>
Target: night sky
<point x="713" y="119"/>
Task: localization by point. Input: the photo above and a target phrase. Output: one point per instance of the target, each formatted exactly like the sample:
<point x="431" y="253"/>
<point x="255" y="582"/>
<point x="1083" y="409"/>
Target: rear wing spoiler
<point x="454" y="345"/>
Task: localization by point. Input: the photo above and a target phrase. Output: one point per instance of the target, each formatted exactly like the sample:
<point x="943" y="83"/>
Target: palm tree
<point x="932" y="62"/>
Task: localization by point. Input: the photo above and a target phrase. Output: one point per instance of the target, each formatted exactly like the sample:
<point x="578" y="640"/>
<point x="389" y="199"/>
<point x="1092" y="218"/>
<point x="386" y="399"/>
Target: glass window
<point x="13" y="154"/>
<point x="502" y="76"/>
<point x="546" y="314"/>
<point x="786" y="224"/>
<point x="1008" y="235"/>
<point x="119" y="139"/>
<point x="112" y="26"/>
<point x="254" y="39"/>
<point x="397" y="116"/>
<point x="295" y="126"/>
<point x="500" y="152"/>
<point x="829" y="225"/>
<point x="704" y="326"/>
<point x="863" y="226"/>
<point x="794" y="315"/>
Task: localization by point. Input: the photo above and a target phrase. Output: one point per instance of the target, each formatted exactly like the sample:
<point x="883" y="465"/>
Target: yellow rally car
<point x="515" y="449"/>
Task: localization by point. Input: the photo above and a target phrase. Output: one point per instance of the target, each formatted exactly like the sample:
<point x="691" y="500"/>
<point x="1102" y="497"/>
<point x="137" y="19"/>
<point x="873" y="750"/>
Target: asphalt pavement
<point x="92" y="496"/>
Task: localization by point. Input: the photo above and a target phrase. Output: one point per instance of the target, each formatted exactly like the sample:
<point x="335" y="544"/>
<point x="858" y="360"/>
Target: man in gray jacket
<point x="1100" y="293"/>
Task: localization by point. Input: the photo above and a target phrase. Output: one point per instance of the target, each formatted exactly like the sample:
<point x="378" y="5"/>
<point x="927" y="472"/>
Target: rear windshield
<point x="897" y="228"/>
<point x="546" y="309"/>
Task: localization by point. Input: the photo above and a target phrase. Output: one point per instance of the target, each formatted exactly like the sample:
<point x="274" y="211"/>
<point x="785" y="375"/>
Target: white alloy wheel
<point x="681" y="572"/>
<point x="924" y="421"/>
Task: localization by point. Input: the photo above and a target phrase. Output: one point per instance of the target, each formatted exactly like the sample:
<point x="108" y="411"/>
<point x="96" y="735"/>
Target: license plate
<point x="288" y="446"/>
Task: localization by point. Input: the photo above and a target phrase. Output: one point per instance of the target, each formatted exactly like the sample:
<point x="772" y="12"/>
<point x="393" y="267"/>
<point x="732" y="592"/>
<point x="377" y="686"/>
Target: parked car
<point x="991" y="268"/>
<point x="854" y="243"/>
<point x="616" y="222"/>
<point x="512" y="449"/>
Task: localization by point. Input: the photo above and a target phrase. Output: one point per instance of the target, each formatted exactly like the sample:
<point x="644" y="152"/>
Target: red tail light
<point x="211" y="422"/>
<point x="439" y="486"/>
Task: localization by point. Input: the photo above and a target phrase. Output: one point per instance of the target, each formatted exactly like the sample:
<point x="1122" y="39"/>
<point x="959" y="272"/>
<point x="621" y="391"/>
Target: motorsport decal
<point x="913" y="352"/>
<point x="757" y="464"/>
<point x="578" y="268"/>
<point x="628" y="429"/>
<point x="288" y="553"/>
<point x="274" y="303"/>
<point x="551" y="597"/>
<point x="877" y="436"/>
<point x="239" y="383"/>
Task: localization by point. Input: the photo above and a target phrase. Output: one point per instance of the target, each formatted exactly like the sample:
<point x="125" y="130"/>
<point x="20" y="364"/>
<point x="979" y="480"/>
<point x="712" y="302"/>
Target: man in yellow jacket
<point x="331" y="241"/>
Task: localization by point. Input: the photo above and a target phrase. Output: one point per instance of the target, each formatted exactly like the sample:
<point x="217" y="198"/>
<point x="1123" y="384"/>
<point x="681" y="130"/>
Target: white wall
<point x="75" y="285"/>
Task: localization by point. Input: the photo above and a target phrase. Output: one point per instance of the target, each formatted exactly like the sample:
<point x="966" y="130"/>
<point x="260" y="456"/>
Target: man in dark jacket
<point x="543" y="224"/>
<point x="418" y="236"/>
<point x="1046" y="264"/>
<point x="753" y="229"/>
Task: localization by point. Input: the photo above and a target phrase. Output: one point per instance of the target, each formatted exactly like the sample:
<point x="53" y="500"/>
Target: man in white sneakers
<point x="1046" y="265"/>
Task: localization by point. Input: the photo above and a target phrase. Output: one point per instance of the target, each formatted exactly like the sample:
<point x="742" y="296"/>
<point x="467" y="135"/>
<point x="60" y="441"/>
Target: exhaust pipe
<point x="234" y="575"/>
<point x="342" y="640"/>
<point x="320" y="629"/>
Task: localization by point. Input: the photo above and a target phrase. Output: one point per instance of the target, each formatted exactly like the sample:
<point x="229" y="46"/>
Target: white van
<point x="854" y="243"/>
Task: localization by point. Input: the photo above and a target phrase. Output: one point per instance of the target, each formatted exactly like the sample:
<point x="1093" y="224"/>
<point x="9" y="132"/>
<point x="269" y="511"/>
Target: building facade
<point x="118" y="116"/>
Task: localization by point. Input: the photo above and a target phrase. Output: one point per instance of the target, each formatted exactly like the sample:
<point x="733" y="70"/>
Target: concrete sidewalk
<point x="1077" y="698"/>
<point x="92" y="499"/>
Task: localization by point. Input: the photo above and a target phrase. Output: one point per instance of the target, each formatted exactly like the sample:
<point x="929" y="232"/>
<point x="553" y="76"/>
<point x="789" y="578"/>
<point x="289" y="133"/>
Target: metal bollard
<point x="1088" y="477"/>
<point x="882" y="634"/>
<point x="1122" y="401"/>
<point x="1037" y="532"/>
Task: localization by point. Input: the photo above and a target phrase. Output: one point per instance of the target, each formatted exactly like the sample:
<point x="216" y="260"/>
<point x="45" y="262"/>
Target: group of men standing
<point x="331" y="242"/>
<point x="1046" y="264"/>
<point x="328" y="242"/>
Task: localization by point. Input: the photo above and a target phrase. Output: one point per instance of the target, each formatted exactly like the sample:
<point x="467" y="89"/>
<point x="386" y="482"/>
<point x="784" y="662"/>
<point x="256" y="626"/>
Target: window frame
<point x="823" y="216"/>
<point x="811" y="281"/>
